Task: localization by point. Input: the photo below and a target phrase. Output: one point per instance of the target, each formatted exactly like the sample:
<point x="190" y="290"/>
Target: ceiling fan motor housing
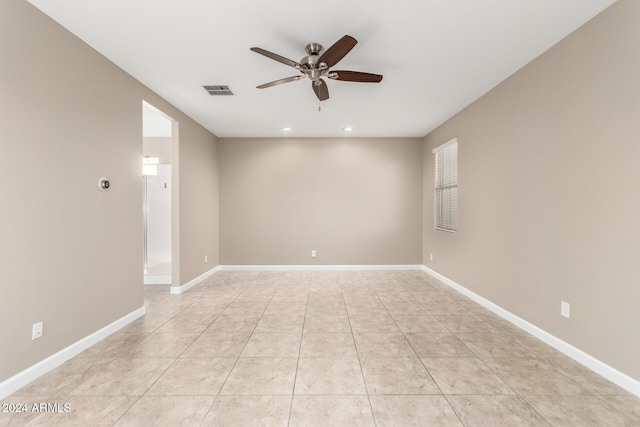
<point x="311" y="67"/>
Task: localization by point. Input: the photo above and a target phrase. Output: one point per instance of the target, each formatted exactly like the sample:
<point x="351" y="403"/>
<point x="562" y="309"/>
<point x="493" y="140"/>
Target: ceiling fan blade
<point x="276" y="57"/>
<point x="321" y="90"/>
<point x="356" y="76"/>
<point x="337" y="51"/>
<point x="279" y="82"/>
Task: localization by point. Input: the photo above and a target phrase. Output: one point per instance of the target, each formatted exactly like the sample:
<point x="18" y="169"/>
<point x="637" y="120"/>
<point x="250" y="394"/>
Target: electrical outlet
<point x="313" y="253"/>
<point x="36" y="331"/>
<point x="565" y="309"/>
<point x="431" y="257"/>
<point x="205" y="258"/>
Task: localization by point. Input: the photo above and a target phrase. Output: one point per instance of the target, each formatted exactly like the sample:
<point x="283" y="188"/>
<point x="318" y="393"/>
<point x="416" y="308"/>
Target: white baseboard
<point x="318" y="267"/>
<point x="177" y="290"/>
<point x="23" y="378"/>
<point x="626" y="382"/>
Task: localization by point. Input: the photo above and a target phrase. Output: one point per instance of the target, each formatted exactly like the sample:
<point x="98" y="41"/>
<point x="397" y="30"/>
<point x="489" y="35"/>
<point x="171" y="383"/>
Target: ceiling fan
<point x="316" y="65"/>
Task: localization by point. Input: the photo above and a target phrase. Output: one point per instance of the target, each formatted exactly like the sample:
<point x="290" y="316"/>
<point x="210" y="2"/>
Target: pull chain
<point x="319" y="109"/>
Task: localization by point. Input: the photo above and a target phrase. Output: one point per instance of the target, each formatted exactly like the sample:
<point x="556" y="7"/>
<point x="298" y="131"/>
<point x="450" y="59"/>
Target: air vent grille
<point x="218" y="90"/>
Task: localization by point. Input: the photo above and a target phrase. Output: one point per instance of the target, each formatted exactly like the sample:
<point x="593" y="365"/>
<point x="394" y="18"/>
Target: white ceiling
<point x="437" y="56"/>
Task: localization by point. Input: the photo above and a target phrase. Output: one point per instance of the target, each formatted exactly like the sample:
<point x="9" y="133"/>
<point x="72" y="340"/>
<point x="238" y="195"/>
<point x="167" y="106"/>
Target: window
<point x="446" y="186"/>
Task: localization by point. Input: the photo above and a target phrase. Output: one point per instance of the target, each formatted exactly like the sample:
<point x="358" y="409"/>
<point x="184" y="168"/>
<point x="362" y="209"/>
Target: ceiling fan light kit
<point x="317" y="64"/>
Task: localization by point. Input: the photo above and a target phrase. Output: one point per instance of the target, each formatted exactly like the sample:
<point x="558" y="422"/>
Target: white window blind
<point x="446" y="186"/>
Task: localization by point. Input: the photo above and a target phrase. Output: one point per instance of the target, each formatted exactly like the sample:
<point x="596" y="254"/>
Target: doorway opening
<point x="158" y="136"/>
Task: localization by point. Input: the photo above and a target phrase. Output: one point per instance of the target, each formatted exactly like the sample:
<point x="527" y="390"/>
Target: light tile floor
<point x="377" y="348"/>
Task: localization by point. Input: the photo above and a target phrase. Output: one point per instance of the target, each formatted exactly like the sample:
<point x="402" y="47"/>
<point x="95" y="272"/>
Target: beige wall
<point x="353" y="200"/>
<point x="70" y="255"/>
<point x="549" y="167"/>
<point x="198" y="202"/>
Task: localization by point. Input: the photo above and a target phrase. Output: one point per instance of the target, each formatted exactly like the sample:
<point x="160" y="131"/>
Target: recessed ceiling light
<point x="286" y="129"/>
<point x="347" y="129"/>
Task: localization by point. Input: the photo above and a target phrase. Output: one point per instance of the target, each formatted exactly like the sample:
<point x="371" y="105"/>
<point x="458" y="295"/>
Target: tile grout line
<point x="234" y="364"/>
<point x="245" y="344"/>
<point x="139" y="397"/>
<point x="295" y="376"/>
<point x="215" y="398"/>
<point x="185" y="349"/>
<point x="366" y="387"/>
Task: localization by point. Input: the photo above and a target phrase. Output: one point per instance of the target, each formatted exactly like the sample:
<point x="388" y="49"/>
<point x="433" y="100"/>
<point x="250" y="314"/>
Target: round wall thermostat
<point x="103" y="184"/>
